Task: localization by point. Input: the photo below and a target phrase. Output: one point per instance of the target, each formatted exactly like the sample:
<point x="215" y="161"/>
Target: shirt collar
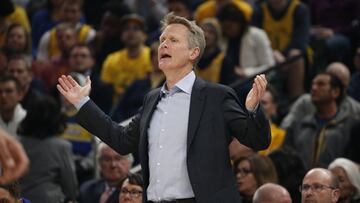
<point x="185" y="84"/>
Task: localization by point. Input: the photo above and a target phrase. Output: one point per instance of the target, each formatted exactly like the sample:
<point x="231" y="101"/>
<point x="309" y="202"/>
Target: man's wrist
<point x="81" y="102"/>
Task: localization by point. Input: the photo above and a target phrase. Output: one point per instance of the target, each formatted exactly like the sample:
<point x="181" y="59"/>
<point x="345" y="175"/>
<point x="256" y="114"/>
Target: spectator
<point x="180" y="8"/>
<point x="319" y="185"/>
<point x="32" y="88"/>
<point x="4" y="53"/>
<point x="349" y="179"/>
<point x="248" y="50"/>
<point x="287" y="23"/>
<point x="210" y="64"/>
<point x="131" y="189"/>
<point x="251" y="173"/>
<point x="323" y="135"/>
<point x="123" y="67"/>
<point x="18" y="40"/>
<point x="50" y="45"/>
<point x="271" y="193"/>
<point x="11" y="111"/>
<point x="113" y="170"/>
<point x="303" y="105"/>
<point x="51" y="177"/>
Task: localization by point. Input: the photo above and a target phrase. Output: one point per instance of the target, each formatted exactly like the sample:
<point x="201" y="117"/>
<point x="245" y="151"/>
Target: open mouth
<point x="163" y="56"/>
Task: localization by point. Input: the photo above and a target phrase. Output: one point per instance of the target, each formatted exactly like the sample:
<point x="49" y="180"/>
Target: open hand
<point x="71" y="90"/>
<point x="257" y="91"/>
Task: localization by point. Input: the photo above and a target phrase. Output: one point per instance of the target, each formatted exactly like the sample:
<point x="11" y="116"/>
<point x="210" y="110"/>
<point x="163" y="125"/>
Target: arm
<point x="68" y="180"/>
<point x="13" y="160"/>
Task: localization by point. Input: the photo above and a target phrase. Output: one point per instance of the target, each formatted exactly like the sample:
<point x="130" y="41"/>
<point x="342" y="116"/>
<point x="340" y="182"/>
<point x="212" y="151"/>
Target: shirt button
<point x="160" y="146"/>
<point x="158" y="181"/>
<point x="165" y="112"/>
<point x="158" y="164"/>
<point x="162" y="130"/>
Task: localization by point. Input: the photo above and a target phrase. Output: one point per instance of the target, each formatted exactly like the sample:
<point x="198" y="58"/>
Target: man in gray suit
<point x="185" y="127"/>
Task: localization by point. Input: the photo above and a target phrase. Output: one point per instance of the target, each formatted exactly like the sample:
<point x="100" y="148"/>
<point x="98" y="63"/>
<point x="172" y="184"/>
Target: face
<point x="245" y="179"/>
<point x="130" y="193"/>
<point x="17" y="38"/>
<point x="210" y="35"/>
<point x="268" y="104"/>
<point x="6" y="197"/>
<point x="18" y="69"/>
<point x="174" y="51"/>
<point x="9" y="96"/>
<point x="133" y="34"/>
<point x="346" y="188"/>
<point x="231" y="29"/>
<point x="66" y="38"/>
<point x="324" y="194"/>
<point x="357" y="59"/>
<point x="321" y="91"/>
<point x="113" y="166"/>
<point x="179" y="9"/>
<point x="3" y="63"/>
<point x="71" y="13"/>
<point x="80" y="59"/>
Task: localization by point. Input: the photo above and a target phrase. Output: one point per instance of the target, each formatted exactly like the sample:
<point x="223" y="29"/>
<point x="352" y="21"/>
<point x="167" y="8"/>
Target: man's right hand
<point x="71" y="90"/>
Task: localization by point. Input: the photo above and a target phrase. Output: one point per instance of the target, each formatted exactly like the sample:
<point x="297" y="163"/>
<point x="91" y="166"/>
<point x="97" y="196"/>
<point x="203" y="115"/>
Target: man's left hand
<point x="257" y="91"/>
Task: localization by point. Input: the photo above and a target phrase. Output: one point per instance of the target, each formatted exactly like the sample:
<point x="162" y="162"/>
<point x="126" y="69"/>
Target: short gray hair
<point x="196" y="36"/>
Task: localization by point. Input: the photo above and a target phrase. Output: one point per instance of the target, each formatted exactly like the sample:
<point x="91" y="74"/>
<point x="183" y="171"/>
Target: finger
<point x="72" y="82"/>
<point x="63" y="84"/>
<point x="67" y="82"/>
<point x="88" y="81"/>
<point x="61" y="90"/>
<point x="6" y="160"/>
<point x="262" y="82"/>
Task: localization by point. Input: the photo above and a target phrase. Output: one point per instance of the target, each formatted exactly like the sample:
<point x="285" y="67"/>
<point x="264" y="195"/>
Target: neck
<point x="134" y="51"/>
<point x="174" y="76"/>
<point x="326" y="111"/>
<point x="7" y="115"/>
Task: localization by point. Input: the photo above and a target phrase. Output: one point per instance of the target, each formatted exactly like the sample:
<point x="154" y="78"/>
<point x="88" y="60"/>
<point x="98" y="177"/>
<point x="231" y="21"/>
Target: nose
<point x="163" y="44"/>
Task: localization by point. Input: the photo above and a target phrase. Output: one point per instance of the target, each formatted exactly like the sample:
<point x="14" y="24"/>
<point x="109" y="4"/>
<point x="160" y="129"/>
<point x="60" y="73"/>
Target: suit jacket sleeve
<point x="122" y="139"/>
<point x="250" y="128"/>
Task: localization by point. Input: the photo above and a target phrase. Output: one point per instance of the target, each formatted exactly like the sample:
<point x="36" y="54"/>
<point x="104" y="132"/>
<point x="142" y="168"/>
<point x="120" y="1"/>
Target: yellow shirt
<point x="277" y="139"/>
<point x="120" y="70"/>
<point x="279" y="31"/>
<point x="208" y="10"/>
<point x="213" y="71"/>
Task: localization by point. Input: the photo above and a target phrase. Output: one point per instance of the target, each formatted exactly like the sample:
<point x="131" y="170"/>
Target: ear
<point x="335" y="92"/>
<point x="335" y="194"/>
<point x="194" y="53"/>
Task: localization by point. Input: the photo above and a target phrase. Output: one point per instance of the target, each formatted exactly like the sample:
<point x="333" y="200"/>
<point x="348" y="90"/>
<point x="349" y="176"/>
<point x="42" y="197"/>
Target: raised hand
<point x="71" y="90"/>
<point x="257" y="91"/>
<point x="13" y="159"/>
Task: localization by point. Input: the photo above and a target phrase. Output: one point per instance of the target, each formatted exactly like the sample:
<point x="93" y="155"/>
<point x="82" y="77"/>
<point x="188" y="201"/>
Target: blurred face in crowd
<point x="81" y="59"/>
<point x="267" y="102"/>
<point x="6" y="197"/>
<point x="18" y="68"/>
<point x="174" y="50"/>
<point x="56" y="3"/>
<point x="133" y="35"/>
<point x="130" y="193"/>
<point x="179" y="9"/>
<point x="321" y="91"/>
<point x="246" y="181"/>
<point x="17" y="38"/>
<point x="210" y="35"/>
<point x="317" y="188"/>
<point x="154" y="56"/>
<point x="346" y="188"/>
<point x="114" y="167"/>
<point x="277" y="5"/>
<point x="66" y="38"/>
<point x="357" y="59"/>
<point x="9" y="96"/>
<point x="3" y="63"/>
<point x="71" y="12"/>
<point x="110" y="25"/>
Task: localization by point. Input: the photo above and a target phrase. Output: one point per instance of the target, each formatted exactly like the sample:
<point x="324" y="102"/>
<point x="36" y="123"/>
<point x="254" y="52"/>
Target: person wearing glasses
<point x="131" y="189"/>
<point x="251" y="173"/>
<point x="319" y="186"/>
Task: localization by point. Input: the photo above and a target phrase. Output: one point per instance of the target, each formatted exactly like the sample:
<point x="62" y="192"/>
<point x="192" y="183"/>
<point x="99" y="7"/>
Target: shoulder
<point x="90" y="185"/>
<point x="211" y="88"/>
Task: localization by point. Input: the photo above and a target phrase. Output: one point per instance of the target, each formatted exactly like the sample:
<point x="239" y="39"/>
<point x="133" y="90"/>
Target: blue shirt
<point x="167" y="133"/>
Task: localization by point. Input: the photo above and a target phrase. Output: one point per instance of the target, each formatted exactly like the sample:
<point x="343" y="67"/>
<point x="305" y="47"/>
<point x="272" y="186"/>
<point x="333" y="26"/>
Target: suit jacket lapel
<point x="196" y="109"/>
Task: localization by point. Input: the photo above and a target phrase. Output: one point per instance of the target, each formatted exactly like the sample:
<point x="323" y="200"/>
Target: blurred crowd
<point x="308" y="49"/>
